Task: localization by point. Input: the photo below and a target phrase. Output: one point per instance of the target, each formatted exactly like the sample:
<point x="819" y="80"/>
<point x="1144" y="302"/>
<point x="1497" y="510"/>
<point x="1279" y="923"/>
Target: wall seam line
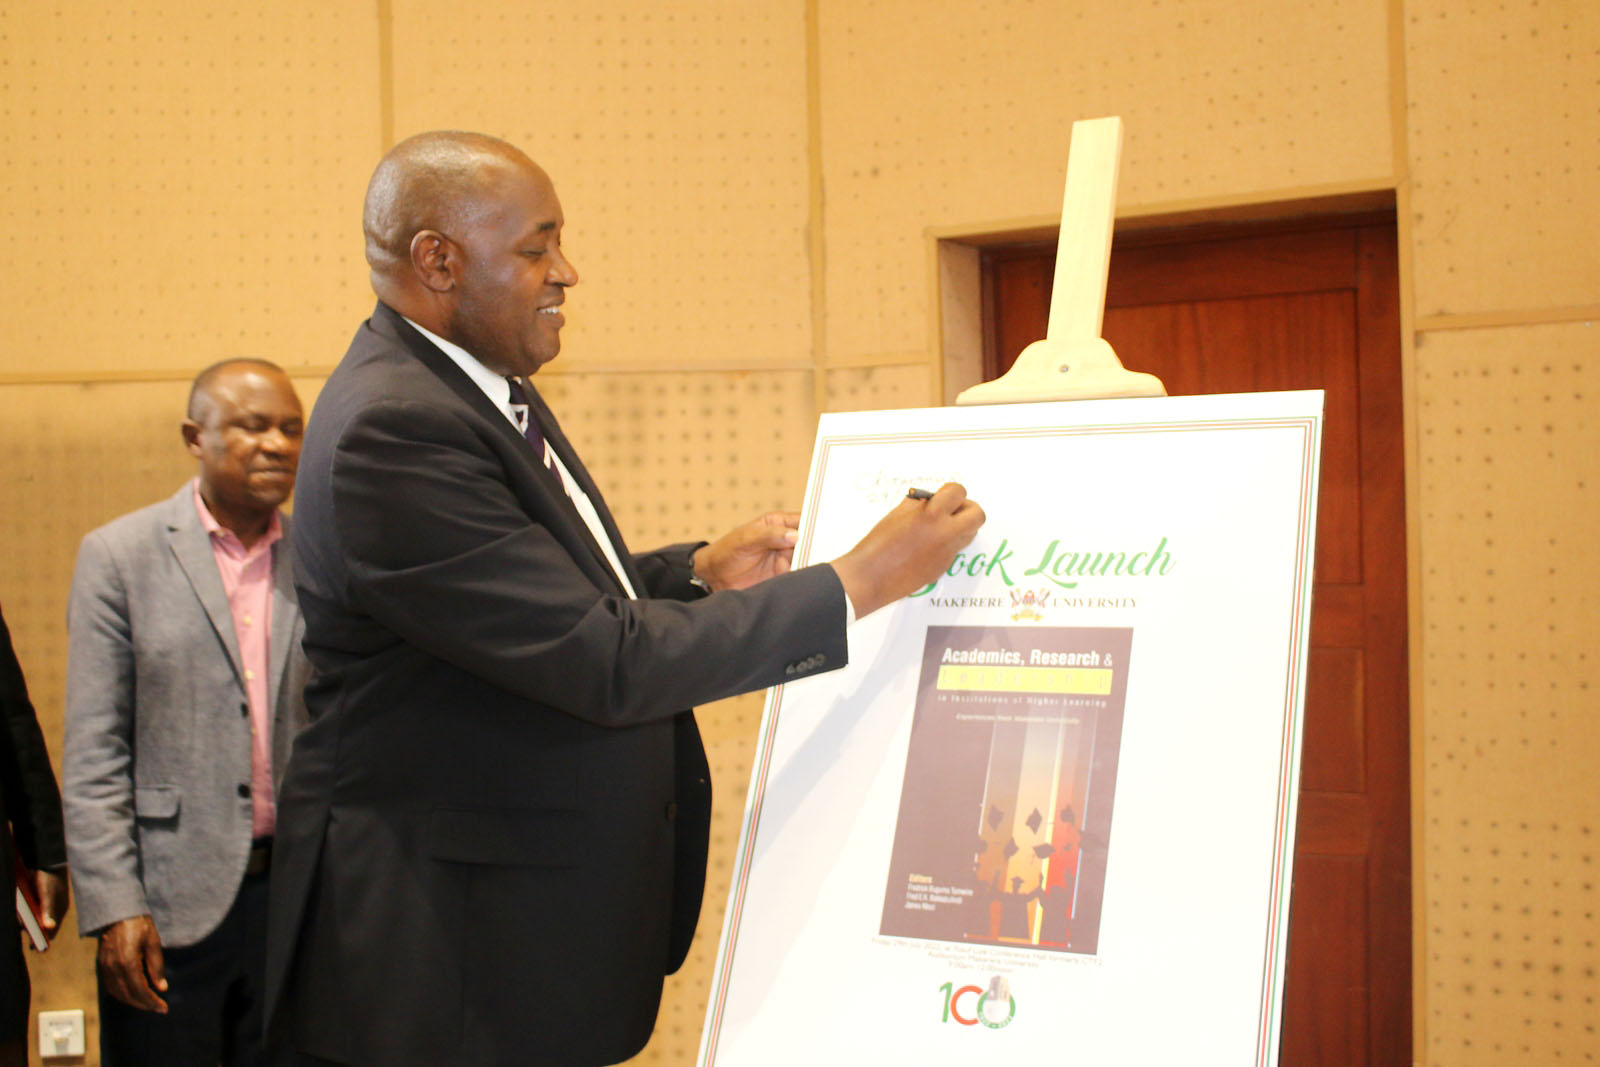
<point x="1479" y="320"/>
<point x="168" y="374"/>
<point x="1411" y="438"/>
<point x="816" y="245"/>
<point x="386" y="74"/>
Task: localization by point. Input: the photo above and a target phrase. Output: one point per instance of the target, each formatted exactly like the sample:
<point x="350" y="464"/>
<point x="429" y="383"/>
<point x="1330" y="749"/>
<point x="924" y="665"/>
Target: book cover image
<point x="1005" y="811"/>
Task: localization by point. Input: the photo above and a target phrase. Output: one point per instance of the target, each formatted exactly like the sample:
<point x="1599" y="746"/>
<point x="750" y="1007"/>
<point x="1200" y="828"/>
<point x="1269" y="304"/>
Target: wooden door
<point x="1311" y="308"/>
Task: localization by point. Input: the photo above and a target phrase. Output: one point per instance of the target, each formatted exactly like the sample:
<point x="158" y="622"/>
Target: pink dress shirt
<point x="247" y="579"/>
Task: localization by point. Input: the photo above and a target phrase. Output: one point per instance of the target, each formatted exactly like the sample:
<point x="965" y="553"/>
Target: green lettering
<point x="1062" y="568"/>
<point x="1072" y="563"/>
<point x="1106" y="567"/>
<point x="1001" y="554"/>
<point x="1045" y="567"/>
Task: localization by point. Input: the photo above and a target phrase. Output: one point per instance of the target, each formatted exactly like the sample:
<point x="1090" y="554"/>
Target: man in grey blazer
<point x="185" y="686"/>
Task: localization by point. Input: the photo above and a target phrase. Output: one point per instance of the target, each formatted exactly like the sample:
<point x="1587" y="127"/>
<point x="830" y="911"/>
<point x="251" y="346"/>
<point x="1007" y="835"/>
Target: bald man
<point x="185" y="682"/>
<point x="492" y="838"/>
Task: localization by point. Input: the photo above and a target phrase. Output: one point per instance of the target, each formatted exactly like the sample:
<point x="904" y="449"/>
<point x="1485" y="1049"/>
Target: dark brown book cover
<point x="1005" y="812"/>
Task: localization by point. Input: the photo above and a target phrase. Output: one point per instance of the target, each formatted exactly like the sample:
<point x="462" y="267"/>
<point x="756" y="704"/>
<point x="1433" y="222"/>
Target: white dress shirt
<point x="498" y="390"/>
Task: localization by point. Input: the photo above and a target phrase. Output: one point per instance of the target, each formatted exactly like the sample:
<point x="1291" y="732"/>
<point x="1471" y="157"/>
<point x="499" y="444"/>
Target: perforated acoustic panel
<point x="186" y="178"/>
<point x="676" y="137"/>
<point x="1510" y="488"/>
<point x="686" y="457"/>
<point x="1504" y="127"/>
<point x="965" y="115"/>
<point x="879" y="388"/>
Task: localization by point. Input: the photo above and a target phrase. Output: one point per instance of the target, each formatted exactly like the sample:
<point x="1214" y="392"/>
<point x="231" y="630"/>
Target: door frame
<point x="958" y="313"/>
<point x="955" y="258"/>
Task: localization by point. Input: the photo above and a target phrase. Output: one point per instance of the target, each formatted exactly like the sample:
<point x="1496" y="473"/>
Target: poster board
<point x="1048" y="808"/>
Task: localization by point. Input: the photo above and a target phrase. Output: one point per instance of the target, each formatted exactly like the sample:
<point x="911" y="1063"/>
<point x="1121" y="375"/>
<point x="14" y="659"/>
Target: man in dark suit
<point x="492" y="838"/>
<point x="30" y="821"/>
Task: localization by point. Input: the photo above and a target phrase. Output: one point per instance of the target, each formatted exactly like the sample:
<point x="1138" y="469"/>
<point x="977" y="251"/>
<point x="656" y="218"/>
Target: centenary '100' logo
<point x="994" y="1007"/>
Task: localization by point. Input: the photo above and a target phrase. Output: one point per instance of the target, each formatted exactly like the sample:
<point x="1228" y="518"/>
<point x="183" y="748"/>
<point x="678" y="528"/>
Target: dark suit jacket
<point x="30" y="805"/>
<point x="492" y="838"/>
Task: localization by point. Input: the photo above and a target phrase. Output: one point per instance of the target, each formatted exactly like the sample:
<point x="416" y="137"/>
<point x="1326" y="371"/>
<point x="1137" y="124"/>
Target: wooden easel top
<point x="1074" y="362"/>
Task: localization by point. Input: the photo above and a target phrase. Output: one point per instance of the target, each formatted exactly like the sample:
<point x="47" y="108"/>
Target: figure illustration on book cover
<point x="1005" y="811"/>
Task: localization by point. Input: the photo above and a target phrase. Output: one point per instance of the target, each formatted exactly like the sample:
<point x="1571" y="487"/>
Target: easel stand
<point x="1074" y="362"/>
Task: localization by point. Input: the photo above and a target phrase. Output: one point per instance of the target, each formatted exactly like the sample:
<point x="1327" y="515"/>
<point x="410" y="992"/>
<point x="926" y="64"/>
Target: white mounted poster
<point x="1048" y="808"/>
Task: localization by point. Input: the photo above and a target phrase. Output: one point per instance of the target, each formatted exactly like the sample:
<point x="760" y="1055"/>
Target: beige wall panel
<point x="952" y="114"/>
<point x="64" y="481"/>
<point x="1510" y="472"/>
<point x="676" y="136"/>
<point x="686" y="457"/>
<point x="180" y="180"/>
<point x="729" y="728"/>
<point x="880" y="388"/>
<point x="1504" y="129"/>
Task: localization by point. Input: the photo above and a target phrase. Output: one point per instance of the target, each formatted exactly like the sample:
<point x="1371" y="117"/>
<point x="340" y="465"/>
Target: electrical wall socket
<point x="60" y="1034"/>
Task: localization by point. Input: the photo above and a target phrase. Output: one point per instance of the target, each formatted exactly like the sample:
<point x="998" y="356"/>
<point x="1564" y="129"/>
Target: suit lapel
<point x="568" y="526"/>
<point x="192" y="546"/>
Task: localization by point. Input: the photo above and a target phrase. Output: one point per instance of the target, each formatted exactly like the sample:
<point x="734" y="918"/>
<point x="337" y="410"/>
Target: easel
<point x="874" y="776"/>
<point x="1074" y="362"/>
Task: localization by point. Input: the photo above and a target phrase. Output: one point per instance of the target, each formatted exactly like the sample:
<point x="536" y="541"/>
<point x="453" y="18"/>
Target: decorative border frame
<point x="1269" y="1027"/>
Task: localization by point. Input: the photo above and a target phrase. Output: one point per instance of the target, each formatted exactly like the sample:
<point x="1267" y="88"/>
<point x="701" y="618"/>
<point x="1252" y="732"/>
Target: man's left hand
<point x="54" y="898"/>
<point x="749" y="554"/>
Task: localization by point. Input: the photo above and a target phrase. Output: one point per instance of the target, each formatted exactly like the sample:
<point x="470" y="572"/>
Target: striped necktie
<point x="530" y="426"/>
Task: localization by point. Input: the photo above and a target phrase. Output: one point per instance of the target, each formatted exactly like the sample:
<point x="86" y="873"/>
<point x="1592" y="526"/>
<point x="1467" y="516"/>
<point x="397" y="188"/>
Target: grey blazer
<point x="156" y="777"/>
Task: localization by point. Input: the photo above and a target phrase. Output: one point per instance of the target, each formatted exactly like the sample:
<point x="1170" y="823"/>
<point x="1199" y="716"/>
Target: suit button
<point x="672" y="810"/>
<point x="244" y="790"/>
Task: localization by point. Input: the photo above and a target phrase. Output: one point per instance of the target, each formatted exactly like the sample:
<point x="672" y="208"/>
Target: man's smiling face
<point x="512" y="277"/>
